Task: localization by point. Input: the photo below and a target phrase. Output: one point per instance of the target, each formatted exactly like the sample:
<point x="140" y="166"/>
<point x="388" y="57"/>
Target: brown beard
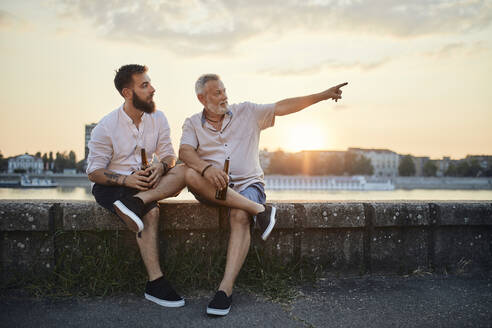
<point x="144" y="106"/>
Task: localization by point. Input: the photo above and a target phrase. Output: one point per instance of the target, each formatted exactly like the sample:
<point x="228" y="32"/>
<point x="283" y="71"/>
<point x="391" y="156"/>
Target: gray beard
<point x="217" y="110"/>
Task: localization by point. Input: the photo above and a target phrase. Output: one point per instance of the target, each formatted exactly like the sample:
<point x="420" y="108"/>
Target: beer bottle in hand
<point x="221" y="194"/>
<point x="145" y="163"/>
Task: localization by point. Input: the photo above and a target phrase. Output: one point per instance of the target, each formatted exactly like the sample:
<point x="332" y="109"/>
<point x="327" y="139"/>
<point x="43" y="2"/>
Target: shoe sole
<point x="165" y="303"/>
<point x="269" y="229"/>
<point x="132" y="221"/>
<point x="213" y="311"/>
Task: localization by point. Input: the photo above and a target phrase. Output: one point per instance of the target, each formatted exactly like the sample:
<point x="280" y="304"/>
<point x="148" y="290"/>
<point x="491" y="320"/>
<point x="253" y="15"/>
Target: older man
<point x="221" y="132"/>
<point x="121" y="184"/>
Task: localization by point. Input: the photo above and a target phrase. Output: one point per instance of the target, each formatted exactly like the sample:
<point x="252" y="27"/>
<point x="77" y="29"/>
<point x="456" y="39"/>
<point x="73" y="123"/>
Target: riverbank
<point x="485" y="183"/>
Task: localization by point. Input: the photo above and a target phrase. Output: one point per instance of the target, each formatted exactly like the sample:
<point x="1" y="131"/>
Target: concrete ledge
<point x="343" y="237"/>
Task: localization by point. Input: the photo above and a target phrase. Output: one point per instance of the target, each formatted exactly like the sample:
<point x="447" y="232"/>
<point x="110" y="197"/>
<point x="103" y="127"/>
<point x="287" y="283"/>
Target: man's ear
<point x="127" y="93"/>
<point x="201" y="98"/>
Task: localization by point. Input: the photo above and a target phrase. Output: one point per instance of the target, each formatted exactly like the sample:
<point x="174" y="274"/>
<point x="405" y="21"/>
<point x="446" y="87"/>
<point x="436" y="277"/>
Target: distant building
<point x="88" y="131"/>
<point x="419" y="165"/>
<point x="27" y="163"/>
<point x="484" y="161"/>
<point x="385" y="162"/>
<point x="442" y="166"/>
<point x="324" y="154"/>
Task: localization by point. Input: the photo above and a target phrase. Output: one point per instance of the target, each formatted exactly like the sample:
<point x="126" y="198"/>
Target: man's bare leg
<point x="237" y="250"/>
<point x="157" y="289"/>
<point x="234" y="199"/>
<point x="148" y="244"/>
<point x="170" y="185"/>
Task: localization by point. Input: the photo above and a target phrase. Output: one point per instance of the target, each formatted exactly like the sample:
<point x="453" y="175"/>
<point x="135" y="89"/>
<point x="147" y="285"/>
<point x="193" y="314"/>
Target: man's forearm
<point x="190" y="157"/>
<point x="107" y="178"/>
<point x="292" y="105"/>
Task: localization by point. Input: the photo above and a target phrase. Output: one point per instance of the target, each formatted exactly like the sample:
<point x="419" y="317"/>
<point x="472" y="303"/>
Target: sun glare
<point x="307" y="137"/>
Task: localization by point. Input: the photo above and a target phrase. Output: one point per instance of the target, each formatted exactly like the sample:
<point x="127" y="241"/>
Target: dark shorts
<point x="254" y="192"/>
<point x="107" y="195"/>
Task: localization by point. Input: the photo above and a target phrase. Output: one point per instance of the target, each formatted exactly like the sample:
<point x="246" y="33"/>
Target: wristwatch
<point x="165" y="167"/>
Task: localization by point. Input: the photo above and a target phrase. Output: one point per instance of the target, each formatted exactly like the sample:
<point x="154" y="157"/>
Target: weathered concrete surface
<point x="345" y="237"/>
<point x="24" y="216"/>
<point x="462" y="236"/>
<point x="368" y="302"/>
<point x="337" y="251"/>
<point x="332" y="215"/>
<point x="23" y="252"/>
<point x="459" y="214"/>
<point x="392" y="214"/>
<point x="399" y="239"/>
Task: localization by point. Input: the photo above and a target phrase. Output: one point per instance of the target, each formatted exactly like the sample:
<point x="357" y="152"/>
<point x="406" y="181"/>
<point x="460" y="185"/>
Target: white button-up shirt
<point x="116" y="142"/>
<point x="238" y="139"/>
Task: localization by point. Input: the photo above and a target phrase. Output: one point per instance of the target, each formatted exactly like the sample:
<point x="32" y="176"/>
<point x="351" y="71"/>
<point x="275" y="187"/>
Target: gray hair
<point x="200" y="83"/>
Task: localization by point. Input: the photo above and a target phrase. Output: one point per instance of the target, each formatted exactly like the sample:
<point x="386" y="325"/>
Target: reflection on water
<point x="84" y="193"/>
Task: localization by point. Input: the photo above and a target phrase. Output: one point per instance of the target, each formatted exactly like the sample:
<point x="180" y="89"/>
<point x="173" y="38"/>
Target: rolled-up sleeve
<point x="100" y="149"/>
<point x="189" y="137"/>
<point x="264" y="114"/>
<point x="164" y="146"/>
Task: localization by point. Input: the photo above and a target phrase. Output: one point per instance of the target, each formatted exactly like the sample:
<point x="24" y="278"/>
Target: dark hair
<point x="124" y="76"/>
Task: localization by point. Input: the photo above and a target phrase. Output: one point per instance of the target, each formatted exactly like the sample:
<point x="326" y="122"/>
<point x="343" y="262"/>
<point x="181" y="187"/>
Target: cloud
<point x="9" y="21"/>
<point x="340" y="107"/>
<point x="452" y="49"/>
<point x="325" y="65"/>
<point x="199" y="26"/>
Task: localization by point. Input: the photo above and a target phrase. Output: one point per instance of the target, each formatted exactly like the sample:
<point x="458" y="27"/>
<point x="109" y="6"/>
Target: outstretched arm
<point x="292" y="105"/>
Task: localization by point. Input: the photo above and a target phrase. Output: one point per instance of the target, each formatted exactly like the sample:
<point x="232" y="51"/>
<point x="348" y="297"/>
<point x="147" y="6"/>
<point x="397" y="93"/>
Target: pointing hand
<point x="334" y="93"/>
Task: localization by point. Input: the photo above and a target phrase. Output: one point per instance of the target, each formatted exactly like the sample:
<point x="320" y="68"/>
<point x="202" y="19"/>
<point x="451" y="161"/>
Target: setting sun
<point x="307" y="137"/>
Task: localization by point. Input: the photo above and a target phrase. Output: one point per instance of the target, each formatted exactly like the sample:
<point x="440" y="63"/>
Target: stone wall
<point x="344" y="237"/>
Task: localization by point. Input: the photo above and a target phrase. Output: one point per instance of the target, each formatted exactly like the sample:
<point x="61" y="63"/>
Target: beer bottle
<point x="145" y="163"/>
<point x="221" y="194"/>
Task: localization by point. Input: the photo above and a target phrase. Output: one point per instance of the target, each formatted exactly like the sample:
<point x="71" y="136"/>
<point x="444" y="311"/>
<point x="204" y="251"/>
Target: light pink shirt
<point x="116" y="142"/>
<point x="237" y="140"/>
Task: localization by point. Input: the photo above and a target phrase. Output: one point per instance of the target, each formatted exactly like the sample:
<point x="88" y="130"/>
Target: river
<point x="83" y="193"/>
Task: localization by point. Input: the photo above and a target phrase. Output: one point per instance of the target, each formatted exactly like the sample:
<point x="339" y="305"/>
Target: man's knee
<point x="191" y="176"/>
<point x="179" y="170"/>
<point x="239" y="217"/>
<point x="152" y="215"/>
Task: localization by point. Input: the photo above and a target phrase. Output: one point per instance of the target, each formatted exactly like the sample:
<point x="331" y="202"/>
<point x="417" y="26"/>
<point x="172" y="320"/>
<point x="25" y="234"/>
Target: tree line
<point x="462" y="168"/>
<point x="56" y="162"/>
<point x="312" y="163"/>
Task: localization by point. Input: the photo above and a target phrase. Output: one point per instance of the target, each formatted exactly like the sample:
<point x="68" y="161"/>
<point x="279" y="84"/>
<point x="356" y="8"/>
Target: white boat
<point x="25" y="182"/>
<point x="282" y="182"/>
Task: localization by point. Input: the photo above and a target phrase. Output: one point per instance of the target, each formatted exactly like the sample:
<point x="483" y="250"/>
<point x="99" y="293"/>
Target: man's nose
<point x="152" y="88"/>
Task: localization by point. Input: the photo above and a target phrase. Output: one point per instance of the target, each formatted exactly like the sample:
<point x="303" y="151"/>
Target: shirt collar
<point x="203" y="115"/>
<point x="128" y="118"/>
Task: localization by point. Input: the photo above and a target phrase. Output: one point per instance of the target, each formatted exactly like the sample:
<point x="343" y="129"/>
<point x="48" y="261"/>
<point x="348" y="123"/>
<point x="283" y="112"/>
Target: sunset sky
<point x="419" y="72"/>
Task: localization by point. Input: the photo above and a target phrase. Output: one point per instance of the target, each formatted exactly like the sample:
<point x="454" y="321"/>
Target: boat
<point x="9" y="184"/>
<point x="279" y="182"/>
<point x="26" y="182"/>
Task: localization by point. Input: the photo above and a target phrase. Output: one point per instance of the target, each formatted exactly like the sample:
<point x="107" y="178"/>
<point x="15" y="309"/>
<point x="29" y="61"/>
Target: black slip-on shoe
<point x="220" y="304"/>
<point x="130" y="209"/>
<point x="161" y="292"/>
<point x="266" y="221"/>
